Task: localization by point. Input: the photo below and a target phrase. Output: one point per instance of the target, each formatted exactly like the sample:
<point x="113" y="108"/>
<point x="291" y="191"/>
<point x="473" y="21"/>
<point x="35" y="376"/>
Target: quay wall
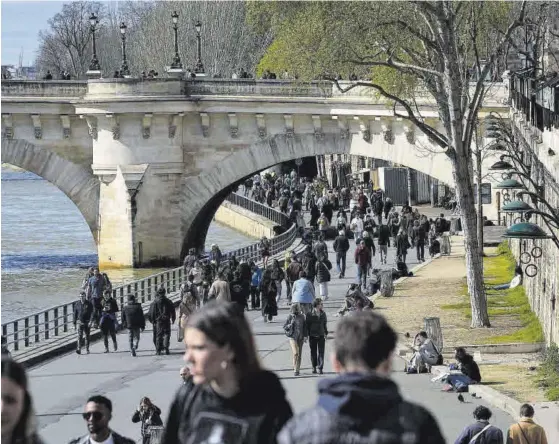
<point x="244" y="221"/>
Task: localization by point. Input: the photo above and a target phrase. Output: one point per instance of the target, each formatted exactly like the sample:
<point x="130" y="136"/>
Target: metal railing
<point x="56" y="322"/>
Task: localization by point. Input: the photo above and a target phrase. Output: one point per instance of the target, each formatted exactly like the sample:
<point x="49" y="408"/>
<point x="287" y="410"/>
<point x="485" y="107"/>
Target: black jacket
<point x="322" y="271"/>
<point x="253" y="416"/>
<point x="239" y="292"/>
<point x="357" y="408"/>
<point x="83" y="312"/>
<point x="150" y="418"/>
<point x="162" y="310"/>
<point x="470" y="368"/>
<point x="118" y="439"/>
<point x="341" y="244"/>
<point x="133" y="316"/>
<point x="316" y="324"/>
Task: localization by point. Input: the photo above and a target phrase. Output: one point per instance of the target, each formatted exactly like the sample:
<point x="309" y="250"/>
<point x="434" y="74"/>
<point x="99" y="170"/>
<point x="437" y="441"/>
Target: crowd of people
<point x="227" y="396"/>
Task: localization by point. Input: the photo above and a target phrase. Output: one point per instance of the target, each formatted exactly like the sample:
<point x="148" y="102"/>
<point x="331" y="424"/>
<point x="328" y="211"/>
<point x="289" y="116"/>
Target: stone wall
<point x="244" y="221"/>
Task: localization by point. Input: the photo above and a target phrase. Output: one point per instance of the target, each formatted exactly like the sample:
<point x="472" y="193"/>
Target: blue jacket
<point x="493" y="435"/>
<point x="303" y="291"/>
<point x="256" y="277"/>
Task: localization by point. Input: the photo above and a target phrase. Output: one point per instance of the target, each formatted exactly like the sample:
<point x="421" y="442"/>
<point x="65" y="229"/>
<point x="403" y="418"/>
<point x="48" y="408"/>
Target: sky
<point x="21" y="23"/>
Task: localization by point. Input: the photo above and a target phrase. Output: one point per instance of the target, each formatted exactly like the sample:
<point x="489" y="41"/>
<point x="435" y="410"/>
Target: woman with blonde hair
<point x="233" y="398"/>
<point x="19" y="425"/>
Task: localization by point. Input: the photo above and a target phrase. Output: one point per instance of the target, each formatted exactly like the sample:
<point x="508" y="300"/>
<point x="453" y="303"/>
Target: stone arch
<point x="74" y="181"/>
<point x="201" y="195"/>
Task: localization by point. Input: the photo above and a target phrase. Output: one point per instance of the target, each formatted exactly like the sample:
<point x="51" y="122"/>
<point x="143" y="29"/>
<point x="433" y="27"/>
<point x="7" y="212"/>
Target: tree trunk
<point x="474" y="261"/>
<point x="479" y="202"/>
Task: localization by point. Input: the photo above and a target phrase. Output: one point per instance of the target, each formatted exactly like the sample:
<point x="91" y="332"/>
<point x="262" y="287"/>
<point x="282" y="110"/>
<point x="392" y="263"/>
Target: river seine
<point x="47" y="246"/>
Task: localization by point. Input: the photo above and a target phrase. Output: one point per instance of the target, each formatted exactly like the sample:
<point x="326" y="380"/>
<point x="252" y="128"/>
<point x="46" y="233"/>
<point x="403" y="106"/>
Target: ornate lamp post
<point x="176" y="60"/>
<point x="125" y="71"/>
<point x="199" y="68"/>
<point x="94" y="65"/>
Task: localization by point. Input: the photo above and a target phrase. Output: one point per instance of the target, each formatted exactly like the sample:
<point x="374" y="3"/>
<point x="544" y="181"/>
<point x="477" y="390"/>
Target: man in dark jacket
<point x="341" y="246"/>
<point x="363" y="261"/>
<point x="292" y="273"/>
<point x="98" y="413"/>
<point x="239" y="292"/>
<point x="362" y="404"/>
<point x="309" y="263"/>
<point x="317" y="328"/>
<point x="383" y="242"/>
<point x="134" y="320"/>
<point x="320" y="248"/>
<point x="418" y="236"/>
<point x="83" y="311"/>
<point x="481" y="431"/>
<point x="161" y="315"/>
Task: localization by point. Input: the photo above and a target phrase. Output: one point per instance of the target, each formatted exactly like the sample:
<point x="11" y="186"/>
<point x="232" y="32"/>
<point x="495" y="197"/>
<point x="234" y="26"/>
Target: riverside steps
<point x="60" y="387"/>
<point x="41" y="336"/>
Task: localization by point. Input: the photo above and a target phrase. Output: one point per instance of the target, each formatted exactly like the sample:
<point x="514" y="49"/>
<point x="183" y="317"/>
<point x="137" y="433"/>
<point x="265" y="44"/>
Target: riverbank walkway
<point x="61" y="386"/>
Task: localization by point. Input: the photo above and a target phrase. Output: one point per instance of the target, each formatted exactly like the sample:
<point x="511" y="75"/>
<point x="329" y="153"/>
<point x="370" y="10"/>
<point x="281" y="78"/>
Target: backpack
<point x="289" y="327"/>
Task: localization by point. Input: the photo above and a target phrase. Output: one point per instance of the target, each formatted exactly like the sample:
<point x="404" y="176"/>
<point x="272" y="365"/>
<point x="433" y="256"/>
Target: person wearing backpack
<point x="481" y="432"/>
<point x="295" y="328"/>
<point x="362" y="404"/>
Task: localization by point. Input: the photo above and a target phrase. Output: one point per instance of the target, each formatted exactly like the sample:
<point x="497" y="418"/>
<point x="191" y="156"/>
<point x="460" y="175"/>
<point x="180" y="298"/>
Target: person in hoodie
<point x="233" y="399"/>
<point x="134" y="320"/>
<point x="362" y="404"/>
<point x="481" y="431"/>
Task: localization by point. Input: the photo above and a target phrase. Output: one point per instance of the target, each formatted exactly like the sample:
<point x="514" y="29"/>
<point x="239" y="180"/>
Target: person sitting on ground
<point x="401" y="270"/>
<point x="149" y="415"/>
<point x="515" y="281"/>
<point x="469" y="372"/>
<point x="362" y="404"/>
<point x="487" y="222"/>
<point x="426" y="353"/>
<point x="481" y="431"/>
<point x="353" y="295"/>
<point x="526" y="430"/>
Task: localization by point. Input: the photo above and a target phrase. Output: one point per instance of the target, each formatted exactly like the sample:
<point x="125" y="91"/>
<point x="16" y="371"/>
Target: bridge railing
<point x="56" y="322"/>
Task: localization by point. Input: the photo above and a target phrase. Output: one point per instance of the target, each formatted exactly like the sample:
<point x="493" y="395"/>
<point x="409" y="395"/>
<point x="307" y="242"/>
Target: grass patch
<point x="548" y="373"/>
<point x="499" y="269"/>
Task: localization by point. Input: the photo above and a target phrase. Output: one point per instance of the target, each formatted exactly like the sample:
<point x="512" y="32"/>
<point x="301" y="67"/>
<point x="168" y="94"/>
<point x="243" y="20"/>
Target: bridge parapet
<point x="69" y="89"/>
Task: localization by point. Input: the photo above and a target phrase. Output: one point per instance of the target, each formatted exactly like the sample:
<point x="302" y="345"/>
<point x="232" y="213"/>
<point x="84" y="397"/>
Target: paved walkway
<point x="60" y="387"/>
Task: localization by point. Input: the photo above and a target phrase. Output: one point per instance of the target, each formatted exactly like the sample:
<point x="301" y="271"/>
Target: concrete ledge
<point x="521" y="347"/>
<point x="244" y="221"/>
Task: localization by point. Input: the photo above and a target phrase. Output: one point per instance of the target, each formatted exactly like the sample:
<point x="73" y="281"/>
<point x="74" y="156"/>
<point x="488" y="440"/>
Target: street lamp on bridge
<point x="124" y="70"/>
<point x="177" y="64"/>
<point x="199" y="67"/>
<point x="94" y="65"/>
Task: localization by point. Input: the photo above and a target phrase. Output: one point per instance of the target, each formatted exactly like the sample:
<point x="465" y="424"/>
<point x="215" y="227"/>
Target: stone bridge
<point x="148" y="162"/>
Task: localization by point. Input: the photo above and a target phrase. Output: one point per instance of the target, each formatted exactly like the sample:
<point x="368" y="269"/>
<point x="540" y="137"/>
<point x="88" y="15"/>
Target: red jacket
<point x="362" y="256"/>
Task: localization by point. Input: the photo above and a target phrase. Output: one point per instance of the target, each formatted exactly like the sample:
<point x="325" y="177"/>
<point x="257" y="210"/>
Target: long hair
<point x="25" y="431"/>
<point x="224" y="324"/>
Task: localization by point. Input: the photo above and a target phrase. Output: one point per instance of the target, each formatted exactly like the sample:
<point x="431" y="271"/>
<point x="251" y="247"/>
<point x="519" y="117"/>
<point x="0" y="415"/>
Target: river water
<point x="47" y="246"/>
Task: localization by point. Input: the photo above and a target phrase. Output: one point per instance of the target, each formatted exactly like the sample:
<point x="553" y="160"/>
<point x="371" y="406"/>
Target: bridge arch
<point x="81" y="187"/>
<point x="201" y="195"/>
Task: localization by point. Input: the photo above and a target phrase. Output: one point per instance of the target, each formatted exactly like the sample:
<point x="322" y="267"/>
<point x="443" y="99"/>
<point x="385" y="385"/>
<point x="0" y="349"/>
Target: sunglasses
<point x="96" y="416"/>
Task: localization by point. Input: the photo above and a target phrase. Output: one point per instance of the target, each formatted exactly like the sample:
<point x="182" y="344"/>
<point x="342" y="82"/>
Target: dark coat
<point x="133" y="316"/>
<point x="362" y="256"/>
<point x="293" y="270"/>
<point x="254" y="416"/>
<point x="361" y="408"/>
<point x="493" y="435"/>
<point x="317" y="324"/>
<point x="118" y="439"/>
<point x="150" y="418"/>
<point x="341" y="244"/>
<point x="83" y="312"/>
<point x="162" y="310"/>
<point x="470" y="368"/>
<point x="269" y="291"/>
<point x="322" y="273"/>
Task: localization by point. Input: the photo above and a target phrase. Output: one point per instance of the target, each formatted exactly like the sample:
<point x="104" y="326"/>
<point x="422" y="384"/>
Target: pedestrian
<point x="233" y="399"/>
<point x="402" y="245"/>
<point x="317" y="327"/>
<point x="320" y="248"/>
<point x="303" y="292"/>
<point x="95" y="287"/>
<point x="98" y="413"/>
<point x="83" y="313"/>
<point x="295" y="328"/>
<point x="186" y="377"/>
<point x="341" y="246"/>
<point x="292" y="274"/>
<point x="264" y="248"/>
<point x="215" y="256"/>
<point x="19" y="425"/>
<point x="526" y="431"/>
<point x="362" y="404"/>
<point x="162" y="314"/>
<point x="308" y="260"/>
<point x="189" y="261"/>
<point x="187" y="306"/>
<point x="148" y="414"/>
<point x="323" y="267"/>
<point x="419" y="235"/>
<point x="277" y="275"/>
<point x="268" y="294"/>
<point x="220" y="289"/>
<point x="481" y="431"/>
<point x="239" y="293"/>
<point x="108" y="323"/>
<point x="356" y="226"/>
<point x="134" y="320"/>
<point x="363" y="261"/>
